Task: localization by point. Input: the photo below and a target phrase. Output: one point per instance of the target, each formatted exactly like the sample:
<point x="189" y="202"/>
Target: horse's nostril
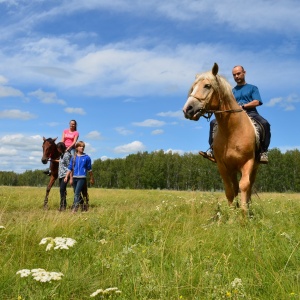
<point x="190" y="108"/>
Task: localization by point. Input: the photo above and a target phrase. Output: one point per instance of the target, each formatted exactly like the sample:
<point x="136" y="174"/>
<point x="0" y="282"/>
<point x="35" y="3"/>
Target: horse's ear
<point x="215" y="69"/>
<point x="44" y="138"/>
<point x="55" y="139"/>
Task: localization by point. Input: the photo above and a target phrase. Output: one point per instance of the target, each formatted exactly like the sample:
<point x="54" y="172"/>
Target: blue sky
<point x="123" y="68"/>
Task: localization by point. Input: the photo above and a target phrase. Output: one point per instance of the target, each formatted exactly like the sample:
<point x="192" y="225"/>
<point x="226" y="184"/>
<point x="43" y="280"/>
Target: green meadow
<point x="149" y="244"/>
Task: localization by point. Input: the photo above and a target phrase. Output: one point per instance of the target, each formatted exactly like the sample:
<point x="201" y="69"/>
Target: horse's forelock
<point x="218" y="82"/>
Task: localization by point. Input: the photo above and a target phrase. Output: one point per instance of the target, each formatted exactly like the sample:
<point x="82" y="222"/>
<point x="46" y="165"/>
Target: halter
<point x="205" y="113"/>
<point x="52" y="151"/>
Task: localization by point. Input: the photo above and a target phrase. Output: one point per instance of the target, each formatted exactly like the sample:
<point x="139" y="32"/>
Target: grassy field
<point x="149" y="245"/>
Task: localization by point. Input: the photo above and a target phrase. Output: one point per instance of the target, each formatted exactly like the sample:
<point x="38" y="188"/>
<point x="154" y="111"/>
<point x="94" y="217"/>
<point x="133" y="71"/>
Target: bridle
<point x="52" y="151"/>
<point x="207" y="113"/>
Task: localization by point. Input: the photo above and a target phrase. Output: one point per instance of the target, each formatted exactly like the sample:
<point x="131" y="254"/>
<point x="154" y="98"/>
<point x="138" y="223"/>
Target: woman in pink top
<point x="70" y="136"/>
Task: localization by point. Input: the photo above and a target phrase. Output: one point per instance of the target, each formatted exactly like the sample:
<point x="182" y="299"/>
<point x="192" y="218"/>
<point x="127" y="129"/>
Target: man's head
<point x="238" y="74"/>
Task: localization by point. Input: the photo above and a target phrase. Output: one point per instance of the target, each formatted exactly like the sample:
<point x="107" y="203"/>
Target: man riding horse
<point x="248" y="97"/>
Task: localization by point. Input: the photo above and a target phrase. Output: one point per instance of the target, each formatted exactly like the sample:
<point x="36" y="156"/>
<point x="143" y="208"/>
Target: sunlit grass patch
<point x="151" y="245"/>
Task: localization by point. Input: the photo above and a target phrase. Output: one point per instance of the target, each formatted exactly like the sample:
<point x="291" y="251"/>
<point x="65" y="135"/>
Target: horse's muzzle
<point x="44" y="161"/>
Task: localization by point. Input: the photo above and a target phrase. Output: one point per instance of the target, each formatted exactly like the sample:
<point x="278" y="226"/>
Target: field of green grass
<point x="149" y="244"/>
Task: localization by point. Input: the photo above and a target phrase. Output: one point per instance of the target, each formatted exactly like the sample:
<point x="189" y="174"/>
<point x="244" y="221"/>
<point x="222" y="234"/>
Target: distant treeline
<point x="160" y="170"/>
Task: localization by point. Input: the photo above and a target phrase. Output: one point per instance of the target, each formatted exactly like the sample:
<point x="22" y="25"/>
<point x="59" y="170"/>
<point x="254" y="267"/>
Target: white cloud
<point x="284" y="149"/>
<point x="133" y="147"/>
<point x="5" y="151"/>
<point x="287" y="103"/>
<point x="94" y="135"/>
<point x="180" y="152"/>
<point x="47" y="98"/>
<point x="157" y="131"/>
<point x="172" y="114"/>
<point x="149" y="123"/>
<point x="3" y="80"/>
<point x="6" y="91"/>
<point x="123" y="131"/>
<point x="73" y="110"/>
<point x="26" y="151"/>
<point x="16" y="114"/>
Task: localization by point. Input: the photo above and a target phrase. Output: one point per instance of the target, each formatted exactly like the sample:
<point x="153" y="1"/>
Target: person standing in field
<point x="64" y="162"/>
<point x="80" y="164"/>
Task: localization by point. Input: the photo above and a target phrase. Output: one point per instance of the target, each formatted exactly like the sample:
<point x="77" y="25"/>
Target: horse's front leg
<point x="246" y="182"/>
<point x="50" y="184"/>
<point x="230" y="185"/>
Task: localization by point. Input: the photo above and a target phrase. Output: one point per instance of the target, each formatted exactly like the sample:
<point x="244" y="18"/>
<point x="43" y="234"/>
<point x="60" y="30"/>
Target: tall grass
<point x="151" y="245"/>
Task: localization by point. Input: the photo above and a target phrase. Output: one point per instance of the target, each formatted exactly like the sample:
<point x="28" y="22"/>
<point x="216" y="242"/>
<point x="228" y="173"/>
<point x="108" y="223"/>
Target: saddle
<point x="259" y="134"/>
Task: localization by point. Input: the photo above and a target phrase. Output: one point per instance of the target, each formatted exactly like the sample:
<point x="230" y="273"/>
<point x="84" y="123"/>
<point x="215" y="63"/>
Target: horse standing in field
<point x="50" y="152"/>
<point x="236" y="142"/>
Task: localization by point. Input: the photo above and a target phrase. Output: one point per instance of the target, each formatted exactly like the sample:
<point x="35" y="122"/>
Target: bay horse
<point x="235" y="143"/>
<point x="50" y="152"/>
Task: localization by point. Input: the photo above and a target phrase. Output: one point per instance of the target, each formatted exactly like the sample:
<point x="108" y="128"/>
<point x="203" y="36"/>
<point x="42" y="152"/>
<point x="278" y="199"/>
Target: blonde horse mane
<point x="218" y="82"/>
<point x="221" y="84"/>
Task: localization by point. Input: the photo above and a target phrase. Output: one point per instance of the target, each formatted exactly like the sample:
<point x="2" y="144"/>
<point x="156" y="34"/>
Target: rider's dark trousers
<point x="265" y="143"/>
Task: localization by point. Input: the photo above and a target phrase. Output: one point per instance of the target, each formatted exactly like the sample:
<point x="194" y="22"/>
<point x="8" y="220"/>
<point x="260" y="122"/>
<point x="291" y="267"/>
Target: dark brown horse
<point x="50" y="152"/>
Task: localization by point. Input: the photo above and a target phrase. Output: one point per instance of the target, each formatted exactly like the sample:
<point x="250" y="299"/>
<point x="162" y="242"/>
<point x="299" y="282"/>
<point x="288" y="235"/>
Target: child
<point x="79" y="165"/>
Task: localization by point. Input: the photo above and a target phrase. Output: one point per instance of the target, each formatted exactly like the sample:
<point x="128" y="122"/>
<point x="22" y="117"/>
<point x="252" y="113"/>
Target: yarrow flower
<point x="107" y="292"/>
<point x="24" y="272"/>
<point x="41" y="275"/>
<point x="236" y="283"/>
<point x="2" y="227"/>
<point x="57" y="243"/>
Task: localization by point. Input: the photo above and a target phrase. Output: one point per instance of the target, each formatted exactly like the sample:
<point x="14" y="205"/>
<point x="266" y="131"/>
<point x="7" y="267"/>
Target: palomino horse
<point x="235" y="143"/>
<point x="50" y="152"/>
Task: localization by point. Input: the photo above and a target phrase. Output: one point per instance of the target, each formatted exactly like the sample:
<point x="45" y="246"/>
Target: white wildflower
<point x="236" y="283"/>
<point x="61" y="246"/>
<point x="99" y="291"/>
<point x="45" y="240"/>
<point x="57" y="243"/>
<point x="37" y="270"/>
<point x="56" y="275"/>
<point x="103" y="241"/>
<point x="70" y="242"/>
<point x="42" y="275"/>
<point x="49" y="247"/>
<point x="24" y="272"/>
<point x="108" y="291"/>
<point x="2" y="227"/>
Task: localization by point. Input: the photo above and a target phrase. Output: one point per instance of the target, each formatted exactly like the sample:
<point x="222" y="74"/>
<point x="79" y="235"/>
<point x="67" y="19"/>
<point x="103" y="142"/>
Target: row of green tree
<point x="160" y="170"/>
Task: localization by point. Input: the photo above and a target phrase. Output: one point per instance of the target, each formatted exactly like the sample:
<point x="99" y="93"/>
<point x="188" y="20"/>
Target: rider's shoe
<point x="209" y="154"/>
<point x="47" y="172"/>
<point x="263" y="159"/>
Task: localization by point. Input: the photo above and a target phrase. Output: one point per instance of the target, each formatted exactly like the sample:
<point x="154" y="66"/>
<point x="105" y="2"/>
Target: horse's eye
<point x="207" y="86"/>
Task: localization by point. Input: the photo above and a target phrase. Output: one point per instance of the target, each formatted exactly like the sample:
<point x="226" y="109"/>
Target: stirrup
<point x="208" y="155"/>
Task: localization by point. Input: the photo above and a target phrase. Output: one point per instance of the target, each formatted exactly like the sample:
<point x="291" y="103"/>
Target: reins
<point x="52" y="151"/>
<point x="208" y="113"/>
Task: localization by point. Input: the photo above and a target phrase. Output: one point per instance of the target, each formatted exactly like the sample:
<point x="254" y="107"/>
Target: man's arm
<point x="252" y="104"/>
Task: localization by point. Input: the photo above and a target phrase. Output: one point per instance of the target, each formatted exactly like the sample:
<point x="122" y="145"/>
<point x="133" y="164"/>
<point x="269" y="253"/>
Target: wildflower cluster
<point x="107" y="292"/>
<point x="57" y="243"/>
<point x="41" y="275"/>
<point x="237" y="288"/>
<point x="165" y="205"/>
<point x="2" y="227"/>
